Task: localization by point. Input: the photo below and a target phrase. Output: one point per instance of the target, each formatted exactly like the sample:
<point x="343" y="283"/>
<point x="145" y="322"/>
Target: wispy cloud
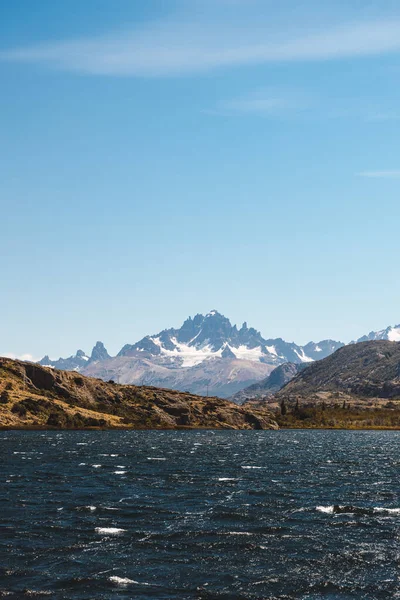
<point x="384" y="116"/>
<point x="184" y="45"/>
<point x="388" y="174"/>
<point x="266" y="102"/>
<point x="27" y="357"/>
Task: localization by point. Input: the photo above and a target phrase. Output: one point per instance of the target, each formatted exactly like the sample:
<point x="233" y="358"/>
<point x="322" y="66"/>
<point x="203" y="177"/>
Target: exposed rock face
<point x="36" y="396"/>
<point x="99" y="353"/>
<point x="270" y="385"/>
<point x="361" y="371"/>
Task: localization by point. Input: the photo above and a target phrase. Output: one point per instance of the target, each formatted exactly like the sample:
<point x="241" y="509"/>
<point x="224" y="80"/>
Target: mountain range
<point x="207" y="355"/>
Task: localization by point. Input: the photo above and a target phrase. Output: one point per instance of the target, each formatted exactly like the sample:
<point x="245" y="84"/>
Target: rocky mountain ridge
<point x="78" y="361"/>
<point x="390" y="334"/>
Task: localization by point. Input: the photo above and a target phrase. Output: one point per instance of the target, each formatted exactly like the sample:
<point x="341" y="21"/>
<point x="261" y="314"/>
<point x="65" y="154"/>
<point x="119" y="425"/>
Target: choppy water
<point x="288" y="514"/>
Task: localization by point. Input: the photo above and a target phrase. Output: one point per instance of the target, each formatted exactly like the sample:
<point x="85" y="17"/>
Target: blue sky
<point x="164" y="158"/>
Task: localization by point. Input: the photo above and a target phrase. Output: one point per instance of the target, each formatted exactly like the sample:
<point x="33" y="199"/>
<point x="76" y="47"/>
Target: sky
<point x="164" y="158"/>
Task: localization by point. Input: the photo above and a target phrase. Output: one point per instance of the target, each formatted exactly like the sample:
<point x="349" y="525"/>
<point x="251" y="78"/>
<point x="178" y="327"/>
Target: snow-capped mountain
<point x="213" y="336"/>
<point x="207" y="354"/>
<point x="392" y="334"/>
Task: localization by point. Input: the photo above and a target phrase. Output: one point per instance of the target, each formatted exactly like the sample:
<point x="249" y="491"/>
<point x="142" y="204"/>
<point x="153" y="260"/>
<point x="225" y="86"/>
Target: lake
<point x="200" y="514"/>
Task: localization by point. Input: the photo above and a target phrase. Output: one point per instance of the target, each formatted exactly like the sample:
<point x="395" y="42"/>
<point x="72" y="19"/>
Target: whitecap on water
<point x="227" y="479"/>
<point x="155" y="458"/>
<point x="110" y="530"/>
<point x="37" y="593"/>
<point x="119" y="472"/>
<point x="362" y="510"/>
<point x="325" y="509"/>
<point x="121" y="580"/>
<point x="390" y="511"/>
<point x="250" y="467"/>
<point x="125" y="580"/>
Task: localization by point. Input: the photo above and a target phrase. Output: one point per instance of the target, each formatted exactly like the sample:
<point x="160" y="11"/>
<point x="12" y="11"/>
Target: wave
<point x="121" y="580"/>
<point x="110" y="530"/>
<point x="334" y="509"/>
<point x="125" y="580"/>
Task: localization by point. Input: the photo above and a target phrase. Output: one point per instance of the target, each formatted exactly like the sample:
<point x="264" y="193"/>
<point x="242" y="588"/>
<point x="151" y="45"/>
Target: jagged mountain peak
<point x="212" y="336"/>
<point x="214" y="313"/>
<point x="199" y="338"/>
<point x="99" y="352"/>
<point x="79" y="360"/>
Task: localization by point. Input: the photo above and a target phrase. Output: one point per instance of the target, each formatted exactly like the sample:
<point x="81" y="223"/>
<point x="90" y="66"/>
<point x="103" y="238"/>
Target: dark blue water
<point x="288" y="514"/>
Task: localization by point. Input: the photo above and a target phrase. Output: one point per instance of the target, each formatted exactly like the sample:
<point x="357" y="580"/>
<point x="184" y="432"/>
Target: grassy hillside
<point x="32" y="396"/>
<point x="364" y="370"/>
<point x="357" y="387"/>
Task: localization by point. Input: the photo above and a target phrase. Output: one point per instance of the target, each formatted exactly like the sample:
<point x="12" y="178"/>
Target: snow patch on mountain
<point x="189" y="355"/>
<point x="303" y="357"/>
<point x="244" y="353"/>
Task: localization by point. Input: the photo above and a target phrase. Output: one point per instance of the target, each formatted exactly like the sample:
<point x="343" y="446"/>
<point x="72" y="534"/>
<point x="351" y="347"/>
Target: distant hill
<point x="33" y="396"/>
<point x="270" y="385"/>
<point x="362" y="371"/>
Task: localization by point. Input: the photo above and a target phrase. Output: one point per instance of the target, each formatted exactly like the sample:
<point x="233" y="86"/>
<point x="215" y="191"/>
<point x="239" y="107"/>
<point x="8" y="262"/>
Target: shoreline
<point x="185" y="428"/>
